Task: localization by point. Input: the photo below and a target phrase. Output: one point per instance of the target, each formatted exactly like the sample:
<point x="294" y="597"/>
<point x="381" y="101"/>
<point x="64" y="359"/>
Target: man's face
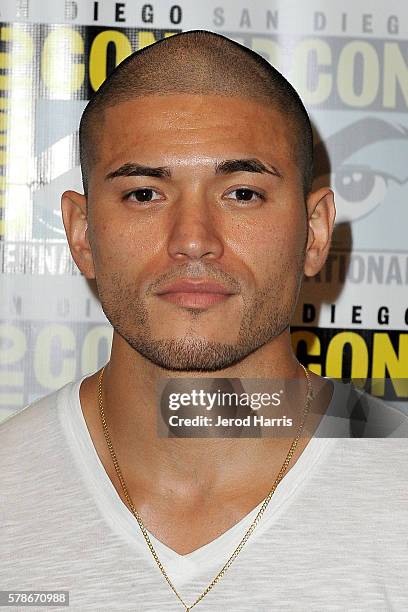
<point x="200" y="218"/>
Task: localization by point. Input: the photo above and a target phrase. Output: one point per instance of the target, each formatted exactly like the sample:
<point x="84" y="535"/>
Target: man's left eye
<point x="143" y="195"/>
<point x="244" y="194"/>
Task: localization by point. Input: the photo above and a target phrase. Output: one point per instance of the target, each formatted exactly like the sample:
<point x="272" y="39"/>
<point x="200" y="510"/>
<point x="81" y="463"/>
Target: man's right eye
<point x="145" y="194"/>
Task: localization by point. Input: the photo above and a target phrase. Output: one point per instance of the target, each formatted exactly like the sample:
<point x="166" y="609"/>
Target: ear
<point x="75" y="218"/>
<point x="321" y="213"/>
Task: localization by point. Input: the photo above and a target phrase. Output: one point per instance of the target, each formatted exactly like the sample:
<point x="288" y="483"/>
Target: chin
<point x="190" y="355"/>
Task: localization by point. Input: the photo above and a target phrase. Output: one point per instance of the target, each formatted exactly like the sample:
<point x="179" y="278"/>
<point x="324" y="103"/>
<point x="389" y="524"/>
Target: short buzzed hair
<point x="198" y="62"/>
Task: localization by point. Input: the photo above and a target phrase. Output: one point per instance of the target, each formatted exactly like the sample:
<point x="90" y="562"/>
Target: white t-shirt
<point x="333" y="538"/>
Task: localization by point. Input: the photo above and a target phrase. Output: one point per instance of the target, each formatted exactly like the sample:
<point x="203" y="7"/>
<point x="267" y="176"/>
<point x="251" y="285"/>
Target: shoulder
<point x="367" y="416"/>
<point x="371" y="446"/>
<point x="35" y="424"/>
<point x="370" y="417"/>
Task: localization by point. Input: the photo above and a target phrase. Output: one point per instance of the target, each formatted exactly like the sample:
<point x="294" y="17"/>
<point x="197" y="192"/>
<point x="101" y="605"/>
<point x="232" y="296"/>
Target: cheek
<point x="110" y="247"/>
<point x="276" y="242"/>
<point x="117" y="246"/>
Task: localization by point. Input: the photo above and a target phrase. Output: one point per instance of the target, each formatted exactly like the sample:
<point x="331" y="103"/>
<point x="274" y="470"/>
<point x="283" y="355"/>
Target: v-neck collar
<point x="181" y="568"/>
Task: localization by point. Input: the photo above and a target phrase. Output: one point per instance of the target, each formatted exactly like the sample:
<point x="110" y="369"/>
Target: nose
<point x="193" y="233"/>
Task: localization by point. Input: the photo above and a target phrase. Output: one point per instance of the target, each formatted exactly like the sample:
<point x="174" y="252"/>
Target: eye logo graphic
<point x="57" y="167"/>
<point x="366" y="170"/>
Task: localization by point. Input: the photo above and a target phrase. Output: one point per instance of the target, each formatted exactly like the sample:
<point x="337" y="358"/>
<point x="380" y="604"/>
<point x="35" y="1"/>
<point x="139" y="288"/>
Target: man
<point x="198" y="223"/>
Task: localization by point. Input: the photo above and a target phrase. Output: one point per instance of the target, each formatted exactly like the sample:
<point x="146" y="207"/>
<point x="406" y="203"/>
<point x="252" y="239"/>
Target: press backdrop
<point x="349" y="62"/>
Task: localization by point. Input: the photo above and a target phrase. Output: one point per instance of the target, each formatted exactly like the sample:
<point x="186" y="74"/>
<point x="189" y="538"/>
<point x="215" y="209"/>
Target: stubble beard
<point x="264" y="318"/>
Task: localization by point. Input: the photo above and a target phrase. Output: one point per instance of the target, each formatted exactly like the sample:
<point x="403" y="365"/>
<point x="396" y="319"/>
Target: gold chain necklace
<point x="254" y="523"/>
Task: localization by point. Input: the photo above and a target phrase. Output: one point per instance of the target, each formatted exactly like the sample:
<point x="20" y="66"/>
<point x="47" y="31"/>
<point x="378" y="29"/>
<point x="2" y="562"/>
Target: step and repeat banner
<point x="349" y="62"/>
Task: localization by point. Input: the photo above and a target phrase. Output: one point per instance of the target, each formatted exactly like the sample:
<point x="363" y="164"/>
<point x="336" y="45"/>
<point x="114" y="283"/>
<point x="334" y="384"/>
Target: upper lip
<point x="194" y="286"/>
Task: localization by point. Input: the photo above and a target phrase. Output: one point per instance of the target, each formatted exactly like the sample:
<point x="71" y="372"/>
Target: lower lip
<point x="194" y="299"/>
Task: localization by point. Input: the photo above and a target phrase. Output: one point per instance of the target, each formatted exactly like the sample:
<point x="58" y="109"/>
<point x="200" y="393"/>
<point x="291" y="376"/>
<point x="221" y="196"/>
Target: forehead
<point x="155" y="128"/>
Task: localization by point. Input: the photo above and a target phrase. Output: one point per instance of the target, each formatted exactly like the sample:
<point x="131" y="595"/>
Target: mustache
<point x="196" y="269"/>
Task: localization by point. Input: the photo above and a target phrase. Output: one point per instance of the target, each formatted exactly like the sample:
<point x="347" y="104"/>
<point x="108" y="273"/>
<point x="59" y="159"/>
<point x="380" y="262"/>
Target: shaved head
<point x="198" y="62"/>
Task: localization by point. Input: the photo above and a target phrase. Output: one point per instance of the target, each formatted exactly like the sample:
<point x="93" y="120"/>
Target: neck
<point x="130" y="399"/>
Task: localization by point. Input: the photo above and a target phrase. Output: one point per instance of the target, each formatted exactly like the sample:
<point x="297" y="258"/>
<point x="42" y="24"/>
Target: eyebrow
<point x="245" y="165"/>
<point x="133" y="169"/>
<point x="228" y="166"/>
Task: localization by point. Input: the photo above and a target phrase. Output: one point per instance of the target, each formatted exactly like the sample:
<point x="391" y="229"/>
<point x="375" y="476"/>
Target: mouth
<point x="195" y="293"/>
